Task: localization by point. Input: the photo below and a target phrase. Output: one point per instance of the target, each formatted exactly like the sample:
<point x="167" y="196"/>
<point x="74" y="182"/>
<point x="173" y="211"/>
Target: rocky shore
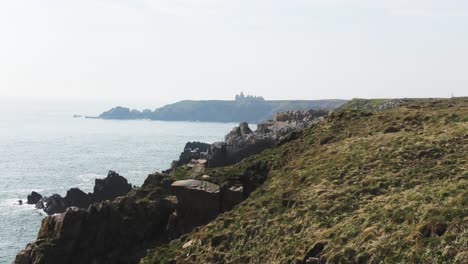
<point x="242" y="142"/>
<point x="316" y="185"/>
<point x="117" y="223"/>
<point x="108" y="188"/>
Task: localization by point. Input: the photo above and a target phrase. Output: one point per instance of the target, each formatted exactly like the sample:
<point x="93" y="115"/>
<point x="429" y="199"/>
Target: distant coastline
<point x="252" y="109"/>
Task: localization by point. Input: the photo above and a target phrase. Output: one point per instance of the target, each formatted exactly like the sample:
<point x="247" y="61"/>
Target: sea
<point x="43" y="148"/>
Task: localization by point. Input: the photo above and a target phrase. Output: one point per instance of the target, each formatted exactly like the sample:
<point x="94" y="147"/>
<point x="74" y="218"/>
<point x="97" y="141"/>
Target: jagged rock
<point x="111" y="187"/>
<point x="203" y="147"/>
<point x="54" y="204"/>
<point x="40" y="204"/>
<point x="198" y="203"/>
<point x="108" y="188"/>
<point x="121" y="230"/>
<point x="33" y="198"/>
<point x="116" y="231"/>
<point x="78" y="198"/>
<point x="158" y="179"/>
<point x="217" y="154"/>
<point x="192" y="150"/>
<point x="241" y="142"/>
<point x="245" y="129"/>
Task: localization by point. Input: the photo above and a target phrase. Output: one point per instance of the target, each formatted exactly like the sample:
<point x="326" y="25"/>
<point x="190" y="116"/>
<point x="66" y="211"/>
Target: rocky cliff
<point x="108" y="188"/>
<point x="242" y="142"/>
<point x="368" y="184"/>
<point x="376" y="182"/>
<point x="120" y="230"/>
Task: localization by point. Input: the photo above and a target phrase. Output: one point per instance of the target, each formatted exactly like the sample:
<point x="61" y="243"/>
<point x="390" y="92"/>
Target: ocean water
<point x="42" y="148"/>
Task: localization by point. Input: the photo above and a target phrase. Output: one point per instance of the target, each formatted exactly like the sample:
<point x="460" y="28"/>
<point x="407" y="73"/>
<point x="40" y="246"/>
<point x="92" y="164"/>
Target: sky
<point x="170" y="50"/>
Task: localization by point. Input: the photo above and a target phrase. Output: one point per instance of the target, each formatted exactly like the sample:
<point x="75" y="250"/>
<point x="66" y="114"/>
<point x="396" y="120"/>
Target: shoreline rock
<point x="241" y="142"/>
<point x="108" y="188"/>
<point x="34" y="198"/>
<point x="117" y="223"/>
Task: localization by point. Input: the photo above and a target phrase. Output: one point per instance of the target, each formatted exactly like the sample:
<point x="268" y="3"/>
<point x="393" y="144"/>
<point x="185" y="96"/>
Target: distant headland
<point x="248" y="108"/>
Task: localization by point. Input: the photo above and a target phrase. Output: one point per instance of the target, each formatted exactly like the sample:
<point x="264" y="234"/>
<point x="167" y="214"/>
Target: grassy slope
<point x="368" y="196"/>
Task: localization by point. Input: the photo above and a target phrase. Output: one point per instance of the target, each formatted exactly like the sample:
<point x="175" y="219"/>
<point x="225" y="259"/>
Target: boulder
<point x="198" y="202"/>
<point x="33" y="198"/>
<point x="157" y="179"/>
<point x="244" y="129"/>
<point x="110" y="187"/>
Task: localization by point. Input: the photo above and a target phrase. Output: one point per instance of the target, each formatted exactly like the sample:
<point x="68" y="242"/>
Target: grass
<point x="346" y="192"/>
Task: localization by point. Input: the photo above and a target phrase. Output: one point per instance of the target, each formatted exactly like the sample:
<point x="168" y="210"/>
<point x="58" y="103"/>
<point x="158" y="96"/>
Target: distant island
<point x="248" y="108"/>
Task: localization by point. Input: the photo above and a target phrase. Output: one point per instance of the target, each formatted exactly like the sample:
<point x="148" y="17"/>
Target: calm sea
<point x="42" y="148"/>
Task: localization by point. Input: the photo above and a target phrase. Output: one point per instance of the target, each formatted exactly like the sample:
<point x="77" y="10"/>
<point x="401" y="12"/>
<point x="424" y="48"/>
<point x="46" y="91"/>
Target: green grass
<point x="368" y="196"/>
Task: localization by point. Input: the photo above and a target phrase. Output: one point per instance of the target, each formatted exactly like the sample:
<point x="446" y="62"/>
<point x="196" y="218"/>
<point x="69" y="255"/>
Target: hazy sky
<point x="167" y="50"/>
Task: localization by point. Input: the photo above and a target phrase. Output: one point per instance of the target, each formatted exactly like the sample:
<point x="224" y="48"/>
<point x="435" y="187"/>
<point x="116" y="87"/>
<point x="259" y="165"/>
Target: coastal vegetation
<point x="377" y="181"/>
<point x="350" y="190"/>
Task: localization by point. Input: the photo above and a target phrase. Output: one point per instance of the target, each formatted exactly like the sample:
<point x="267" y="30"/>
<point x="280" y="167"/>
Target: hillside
<point x="365" y="186"/>
<point x="378" y="181"/>
<point x="252" y="110"/>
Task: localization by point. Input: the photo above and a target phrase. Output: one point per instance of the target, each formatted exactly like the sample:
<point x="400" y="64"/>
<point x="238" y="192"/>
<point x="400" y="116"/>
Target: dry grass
<point x="362" y="195"/>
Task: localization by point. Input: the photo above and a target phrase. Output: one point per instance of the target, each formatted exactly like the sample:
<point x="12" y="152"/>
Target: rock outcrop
<point x="198" y="202"/>
<point x="33" y="198"/>
<point x="192" y="151"/>
<point x="122" y="229"/>
<point x="115" y="231"/>
<point x="53" y="205"/>
<point x="242" y="142"/>
<point x="108" y="188"/>
<point x="116" y="224"/>
<point x="119" y="231"/>
<point x="78" y="198"/>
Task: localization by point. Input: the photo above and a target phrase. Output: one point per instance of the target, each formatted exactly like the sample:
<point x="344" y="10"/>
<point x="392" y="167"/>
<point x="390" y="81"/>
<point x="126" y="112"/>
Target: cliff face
<point x="369" y="184"/>
<point x="108" y="232"/>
